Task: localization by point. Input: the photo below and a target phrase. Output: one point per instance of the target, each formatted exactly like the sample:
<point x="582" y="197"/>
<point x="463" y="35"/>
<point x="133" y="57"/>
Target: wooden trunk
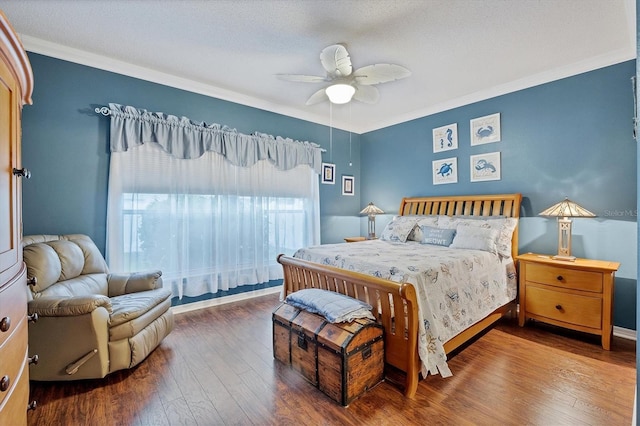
<point x="343" y="360"/>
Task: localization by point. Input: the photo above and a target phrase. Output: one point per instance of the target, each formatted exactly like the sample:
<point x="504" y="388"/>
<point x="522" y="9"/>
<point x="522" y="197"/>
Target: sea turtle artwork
<point x="484" y="132"/>
<point x="483" y="164"/>
<point x="445" y="169"/>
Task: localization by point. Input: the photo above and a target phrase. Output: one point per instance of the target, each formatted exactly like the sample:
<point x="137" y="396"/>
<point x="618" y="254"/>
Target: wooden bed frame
<point x="394" y="304"/>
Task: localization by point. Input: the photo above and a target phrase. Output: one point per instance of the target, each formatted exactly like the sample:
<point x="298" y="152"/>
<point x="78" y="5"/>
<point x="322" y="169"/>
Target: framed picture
<point x="445" y="138"/>
<point x="485" y="129"/>
<point x="485" y="167"/>
<point x="348" y="185"/>
<point x="328" y="173"/>
<point x="445" y="171"/>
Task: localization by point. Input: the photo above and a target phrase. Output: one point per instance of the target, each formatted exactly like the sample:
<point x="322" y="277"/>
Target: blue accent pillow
<point x="335" y="307"/>
<point x="437" y="236"/>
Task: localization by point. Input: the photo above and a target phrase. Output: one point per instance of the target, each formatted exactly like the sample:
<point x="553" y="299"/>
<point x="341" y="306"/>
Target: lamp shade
<point x="566" y="208"/>
<point x="371" y="209"/>
<point x="340" y="93"/>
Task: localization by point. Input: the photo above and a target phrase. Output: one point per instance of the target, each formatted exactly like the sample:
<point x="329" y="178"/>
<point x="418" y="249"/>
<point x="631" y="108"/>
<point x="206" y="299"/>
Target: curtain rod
<point x="103" y="110"/>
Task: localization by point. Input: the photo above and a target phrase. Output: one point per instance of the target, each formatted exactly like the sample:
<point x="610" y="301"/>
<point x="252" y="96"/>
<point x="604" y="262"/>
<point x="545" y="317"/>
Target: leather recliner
<point x="90" y="322"/>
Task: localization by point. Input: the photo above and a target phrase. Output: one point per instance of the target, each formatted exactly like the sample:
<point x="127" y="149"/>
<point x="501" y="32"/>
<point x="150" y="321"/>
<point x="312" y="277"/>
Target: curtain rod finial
<point x="103" y="110"/>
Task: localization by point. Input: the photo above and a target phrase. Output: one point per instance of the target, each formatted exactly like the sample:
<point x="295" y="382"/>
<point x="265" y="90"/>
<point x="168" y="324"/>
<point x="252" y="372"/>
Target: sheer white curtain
<point x="208" y="224"/>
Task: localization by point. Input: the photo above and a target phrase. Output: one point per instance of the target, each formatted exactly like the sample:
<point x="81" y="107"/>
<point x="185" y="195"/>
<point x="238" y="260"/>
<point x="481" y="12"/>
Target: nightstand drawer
<point x="565" y="277"/>
<point x="566" y="307"/>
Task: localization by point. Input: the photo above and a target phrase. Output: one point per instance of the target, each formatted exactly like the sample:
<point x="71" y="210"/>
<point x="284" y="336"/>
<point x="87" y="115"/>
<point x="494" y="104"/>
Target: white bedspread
<point x="456" y="288"/>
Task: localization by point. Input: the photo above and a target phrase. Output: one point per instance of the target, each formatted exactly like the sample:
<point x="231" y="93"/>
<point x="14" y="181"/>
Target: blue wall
<point x="572" y="137"/>
<point x="65" y="145"/>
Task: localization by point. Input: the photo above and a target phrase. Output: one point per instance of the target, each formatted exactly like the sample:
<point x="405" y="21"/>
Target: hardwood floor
<point x="217" y="368"/>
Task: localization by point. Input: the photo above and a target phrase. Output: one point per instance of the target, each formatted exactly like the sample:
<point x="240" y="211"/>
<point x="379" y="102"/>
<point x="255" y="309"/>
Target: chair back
<point x="64" y="266"/>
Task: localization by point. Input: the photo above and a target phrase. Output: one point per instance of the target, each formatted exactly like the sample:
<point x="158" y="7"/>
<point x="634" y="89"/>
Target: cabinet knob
<point x="32" y="406"/>
<point x="559" y="307"/>
<point x="5" y="382"/>
<point x="34" y="360"/>
<point x="559" y="278"/>
<point x="32" y="281"/>
<point x="22" y="173"/>
<point x="5" y="324"/>
<point x="33" y="317"/>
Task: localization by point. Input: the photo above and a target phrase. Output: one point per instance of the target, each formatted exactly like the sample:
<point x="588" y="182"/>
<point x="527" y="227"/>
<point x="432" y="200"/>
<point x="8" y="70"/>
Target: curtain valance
<point x="186" y="139"/>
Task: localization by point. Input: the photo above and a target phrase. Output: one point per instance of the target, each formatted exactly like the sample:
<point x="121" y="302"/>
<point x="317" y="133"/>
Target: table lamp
<point x="371" y="210"/>
<point x="563" y="211"/>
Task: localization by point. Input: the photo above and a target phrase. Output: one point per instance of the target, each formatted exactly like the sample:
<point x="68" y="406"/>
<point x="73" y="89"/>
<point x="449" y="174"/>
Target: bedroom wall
<point x="571" y="137"/>
<point x="65" y="145"/>
<point x="585" y="119"/>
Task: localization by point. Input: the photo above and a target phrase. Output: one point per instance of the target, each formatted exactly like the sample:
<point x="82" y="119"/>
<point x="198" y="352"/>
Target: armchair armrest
<point x="72" y="306"/>
<point x="120" y="284"/>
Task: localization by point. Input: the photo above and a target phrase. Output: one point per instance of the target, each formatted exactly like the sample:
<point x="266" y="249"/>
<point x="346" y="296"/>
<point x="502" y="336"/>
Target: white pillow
<point x="399" y="228"/>
<point x="476" y="238"/>
<point x="504" y="225"/>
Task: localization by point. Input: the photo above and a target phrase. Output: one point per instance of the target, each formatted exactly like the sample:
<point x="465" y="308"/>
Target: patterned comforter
<point x="456" y="288"/>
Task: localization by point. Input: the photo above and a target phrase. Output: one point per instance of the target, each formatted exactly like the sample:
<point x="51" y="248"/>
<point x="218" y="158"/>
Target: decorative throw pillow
<point x="399" y="228"/>
<point x="437" y="236"/>
<point x="475" y="238"/>
<point x="335" y="307"/>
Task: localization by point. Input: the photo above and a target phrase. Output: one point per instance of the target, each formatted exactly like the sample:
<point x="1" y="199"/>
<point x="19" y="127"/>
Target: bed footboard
<point x="394" y="305"/>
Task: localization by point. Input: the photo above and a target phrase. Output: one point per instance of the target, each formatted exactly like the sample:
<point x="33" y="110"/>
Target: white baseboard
<point x="180" y="309"/>
<point x="624" y="333"/>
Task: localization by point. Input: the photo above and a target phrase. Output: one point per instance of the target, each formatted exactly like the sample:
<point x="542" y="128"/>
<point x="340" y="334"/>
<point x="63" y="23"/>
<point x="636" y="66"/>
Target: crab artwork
<point x="484" y="132"/>
<point x="483" y="164"/>
<point x="445" y="169"/>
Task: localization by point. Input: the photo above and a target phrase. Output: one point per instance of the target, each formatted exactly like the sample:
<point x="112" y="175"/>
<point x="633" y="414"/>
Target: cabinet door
<point x="10" y="217"/>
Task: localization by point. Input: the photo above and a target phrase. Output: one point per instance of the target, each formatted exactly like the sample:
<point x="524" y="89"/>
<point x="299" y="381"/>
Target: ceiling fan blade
<point x="366" y="94"/>
<point x="317" y="97"/>
<point x="380" y="73"/>
<point x="301" y="78"/>
<point x="335" y="59"/>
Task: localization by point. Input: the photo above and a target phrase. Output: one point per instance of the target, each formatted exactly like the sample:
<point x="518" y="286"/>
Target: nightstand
<point x="355" y="239"/>
<point x="576" y="295"/>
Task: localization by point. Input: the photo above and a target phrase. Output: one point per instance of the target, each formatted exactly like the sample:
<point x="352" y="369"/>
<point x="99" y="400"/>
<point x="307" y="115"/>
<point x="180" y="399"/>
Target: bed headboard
<point x="474" y="205"/>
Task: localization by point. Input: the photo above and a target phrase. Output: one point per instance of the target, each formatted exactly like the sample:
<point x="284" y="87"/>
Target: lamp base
<point x="565" y="258"/>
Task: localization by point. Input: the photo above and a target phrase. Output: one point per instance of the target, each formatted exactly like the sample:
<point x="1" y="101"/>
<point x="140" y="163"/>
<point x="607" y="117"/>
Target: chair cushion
<point x="133" y="312"/>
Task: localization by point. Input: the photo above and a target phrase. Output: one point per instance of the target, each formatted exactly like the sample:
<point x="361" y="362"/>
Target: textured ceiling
<point x="459" y="51"/>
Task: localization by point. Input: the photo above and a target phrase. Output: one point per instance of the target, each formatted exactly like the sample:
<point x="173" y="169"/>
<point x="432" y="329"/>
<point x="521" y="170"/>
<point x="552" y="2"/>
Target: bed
<point x="397" y="303"/>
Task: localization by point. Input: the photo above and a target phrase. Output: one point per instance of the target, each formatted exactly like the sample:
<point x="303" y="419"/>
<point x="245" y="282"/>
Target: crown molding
<point x="58" y="51"/>
<point x="591" y="64"/>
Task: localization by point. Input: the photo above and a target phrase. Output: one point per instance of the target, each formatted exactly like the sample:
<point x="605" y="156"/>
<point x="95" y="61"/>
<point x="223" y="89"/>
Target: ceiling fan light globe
<point x="340" y="93"/>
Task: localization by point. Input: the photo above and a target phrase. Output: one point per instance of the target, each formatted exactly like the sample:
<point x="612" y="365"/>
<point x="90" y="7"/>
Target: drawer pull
<point x="32" y="406"/>
<point x="5" y="382"/>
<point x="559" y="307"/>
<point x="33" y="317"/>
<point x="32" y="281"/>
<point x="34" y="360"/>
<point x="5" y="324"/>
<point x="559" y="278"/>
<point x="22" y="173"/>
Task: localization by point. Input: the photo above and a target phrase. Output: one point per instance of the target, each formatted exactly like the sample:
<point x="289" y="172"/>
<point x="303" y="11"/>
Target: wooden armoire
<point x="16" y="85"/>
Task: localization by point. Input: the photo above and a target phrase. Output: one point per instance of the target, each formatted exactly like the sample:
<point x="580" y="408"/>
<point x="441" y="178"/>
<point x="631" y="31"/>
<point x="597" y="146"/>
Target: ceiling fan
<point x="345" y="83"/>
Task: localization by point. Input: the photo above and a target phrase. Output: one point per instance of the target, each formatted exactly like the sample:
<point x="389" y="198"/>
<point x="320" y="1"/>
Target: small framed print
<point x="485" y="167"/>
<point x="328" y="173"/>
<point x="348" y="185"/>
<point x="445" y="138"/>
<point x="445" y="171"/>
<point x="485" y="129"/>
